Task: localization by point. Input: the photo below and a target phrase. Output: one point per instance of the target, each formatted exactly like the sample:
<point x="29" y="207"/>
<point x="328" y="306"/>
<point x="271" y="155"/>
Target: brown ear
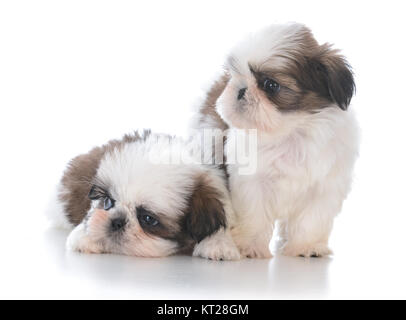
<point x="80" y="173"/>
<point x="331" y="77"/>
<point x="205" y="213"/>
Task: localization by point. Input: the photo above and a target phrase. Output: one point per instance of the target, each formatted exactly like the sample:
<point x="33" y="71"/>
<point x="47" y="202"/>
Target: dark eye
<point x="148" y="220"/>
<point x="108" y="203"/>
<point x="271" y="87"/>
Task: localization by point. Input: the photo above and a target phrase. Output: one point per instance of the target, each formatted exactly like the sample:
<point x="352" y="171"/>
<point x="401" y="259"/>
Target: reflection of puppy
<point x="121" y="201"/>
<point x="295" y="92"/>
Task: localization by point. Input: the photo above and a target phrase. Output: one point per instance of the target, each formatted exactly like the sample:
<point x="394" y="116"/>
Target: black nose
<point x="118" y="224"/>
<point x="241" y="93"/>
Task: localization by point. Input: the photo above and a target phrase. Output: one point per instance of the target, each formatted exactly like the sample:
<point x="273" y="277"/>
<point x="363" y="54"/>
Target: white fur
<point x="219" y="246"/>
<point x="160" y="186"/>
<point x="158" y="174"/>
<point x="305" y="160"/>
<point x="301" y="180"/>
<point x="79" y="241"/>
<point x="56" y="212"/>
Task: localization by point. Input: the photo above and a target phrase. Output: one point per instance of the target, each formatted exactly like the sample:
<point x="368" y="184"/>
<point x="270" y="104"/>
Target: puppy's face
<point x="127" y="226"/>
<point x="145" y="209"/>
<point x="280" y="73"/>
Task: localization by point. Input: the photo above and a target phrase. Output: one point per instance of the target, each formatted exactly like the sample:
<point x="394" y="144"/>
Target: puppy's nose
<point x="118" y="224"/>
<point x="241" y="93"/>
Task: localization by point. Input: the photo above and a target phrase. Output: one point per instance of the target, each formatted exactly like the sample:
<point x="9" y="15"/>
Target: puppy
<point x="295" y="93"/>
<point x="120" y="199"/>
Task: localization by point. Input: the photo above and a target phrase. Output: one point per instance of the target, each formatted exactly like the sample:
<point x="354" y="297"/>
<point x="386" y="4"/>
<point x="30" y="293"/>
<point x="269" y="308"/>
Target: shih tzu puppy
<point x="295" y="93"/>
<point x="119" y="199"/>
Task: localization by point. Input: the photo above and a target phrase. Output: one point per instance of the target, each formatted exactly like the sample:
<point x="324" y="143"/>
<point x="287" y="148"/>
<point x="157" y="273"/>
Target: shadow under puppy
<point x="120" y="200"/>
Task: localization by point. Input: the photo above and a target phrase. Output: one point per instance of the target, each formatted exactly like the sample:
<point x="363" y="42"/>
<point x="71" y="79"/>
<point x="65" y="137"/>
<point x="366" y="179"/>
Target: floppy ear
<point x="332" y="77"/>
<point x="205" y="212"/>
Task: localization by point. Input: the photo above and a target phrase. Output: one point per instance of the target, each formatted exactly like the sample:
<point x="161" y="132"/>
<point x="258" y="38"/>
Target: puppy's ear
<point x="332" y="77"/>
<point x="205" y="213"/>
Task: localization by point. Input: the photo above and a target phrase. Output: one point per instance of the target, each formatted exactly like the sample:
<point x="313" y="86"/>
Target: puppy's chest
<point x="282" y="174"/>
<point x="275" y="171"/>
<point x="289" y="160"/>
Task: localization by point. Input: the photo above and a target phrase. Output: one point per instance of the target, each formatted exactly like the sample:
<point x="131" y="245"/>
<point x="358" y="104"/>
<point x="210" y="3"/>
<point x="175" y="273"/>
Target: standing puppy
<point x="295" y="93"/>
<point x="145" y="195"/>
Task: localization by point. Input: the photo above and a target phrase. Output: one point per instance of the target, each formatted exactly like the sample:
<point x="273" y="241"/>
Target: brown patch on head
<point x="204" y="215"/>
<point x="78" y="177"/>
<point x="335" y="74"/>
<point x="167" y="228"/>
<point x="310" y="76"/>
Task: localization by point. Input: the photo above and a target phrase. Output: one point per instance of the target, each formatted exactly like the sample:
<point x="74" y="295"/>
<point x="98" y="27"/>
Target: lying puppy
<point x="295" y="93"/>
<point x="120" y="199"/>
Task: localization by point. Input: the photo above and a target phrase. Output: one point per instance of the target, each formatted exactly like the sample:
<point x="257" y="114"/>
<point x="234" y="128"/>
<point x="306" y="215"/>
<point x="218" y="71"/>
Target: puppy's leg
<point x="307" y="234"/>
<point x="253" y="243"/>
<point x="218" y="246"/>
<point x="252" y="234"/>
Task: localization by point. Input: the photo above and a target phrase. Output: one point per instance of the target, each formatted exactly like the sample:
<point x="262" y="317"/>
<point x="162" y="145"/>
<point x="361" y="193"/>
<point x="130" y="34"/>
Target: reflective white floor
<point x="48" y="271"/>
<point x="37" y="266"/>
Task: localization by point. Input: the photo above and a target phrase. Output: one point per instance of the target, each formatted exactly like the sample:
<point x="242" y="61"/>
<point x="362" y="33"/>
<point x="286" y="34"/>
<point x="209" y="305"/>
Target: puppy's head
<point x="144" y="209"/>
<point x="280" y="72"/>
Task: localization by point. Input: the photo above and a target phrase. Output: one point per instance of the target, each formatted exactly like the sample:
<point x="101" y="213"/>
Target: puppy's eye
<point x="148" y="220"/>
<point x="270" y="86"/>
<point x="108" y="203"/>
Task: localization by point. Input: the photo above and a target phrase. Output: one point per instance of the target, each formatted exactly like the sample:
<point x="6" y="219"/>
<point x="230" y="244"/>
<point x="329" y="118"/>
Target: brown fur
<point x="313" y="76"/>
<point x="208" y="108"/>
<point x="208" y="111"/>
<point x="78" y="177"/>
<point x="168" y="227"/>
<point x="205" y="213"/>
<point x="203" y="216"/>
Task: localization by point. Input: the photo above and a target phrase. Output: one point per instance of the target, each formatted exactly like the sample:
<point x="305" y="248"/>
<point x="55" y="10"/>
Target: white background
<point x="74" y="74"/>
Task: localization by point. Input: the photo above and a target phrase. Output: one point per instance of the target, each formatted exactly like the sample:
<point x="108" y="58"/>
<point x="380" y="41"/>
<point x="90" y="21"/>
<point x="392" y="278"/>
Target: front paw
<point x="217" y="248"/>
<point x="79" y="241"/>
<point x="256" y="252"/>
<point x="313" y="251"/>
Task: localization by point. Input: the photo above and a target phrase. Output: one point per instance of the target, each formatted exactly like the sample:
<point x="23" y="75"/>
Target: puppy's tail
<point x="56" y="212"/>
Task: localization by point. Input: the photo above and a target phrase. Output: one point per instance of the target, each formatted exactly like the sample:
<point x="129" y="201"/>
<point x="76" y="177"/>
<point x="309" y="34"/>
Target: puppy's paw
<point x="313" y="251"/>
<point x="75" y="238"/>
<point x="256" y="252"/>
<point x="79" y="241"/>
<point x="253" y="247"/>
<point x="217" y="247"/>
